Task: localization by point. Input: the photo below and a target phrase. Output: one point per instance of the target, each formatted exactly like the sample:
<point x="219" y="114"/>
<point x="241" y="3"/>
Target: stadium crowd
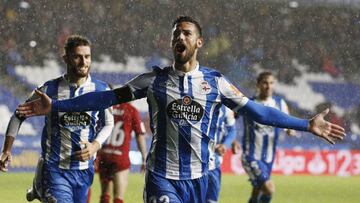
<point x="238" y="33"/>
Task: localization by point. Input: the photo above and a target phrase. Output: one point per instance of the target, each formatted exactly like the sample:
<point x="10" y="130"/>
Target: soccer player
<point x="226" y="133"/>
<point x="69" y="139"/>
<point x="259" y="142"/>
<point x="184" y="104"/>
<point x="113" y="157"/>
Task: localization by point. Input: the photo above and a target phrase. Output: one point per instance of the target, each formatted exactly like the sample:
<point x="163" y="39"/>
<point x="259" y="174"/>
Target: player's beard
<point x="180" y="58"/>
<point x="80" y="71"/>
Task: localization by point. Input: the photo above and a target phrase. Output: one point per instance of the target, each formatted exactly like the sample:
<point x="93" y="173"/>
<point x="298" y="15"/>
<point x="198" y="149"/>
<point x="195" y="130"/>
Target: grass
<point x="235" y="189"/>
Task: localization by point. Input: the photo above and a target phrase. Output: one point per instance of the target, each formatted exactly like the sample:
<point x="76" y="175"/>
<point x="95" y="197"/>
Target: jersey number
<point x="117" y="135"/>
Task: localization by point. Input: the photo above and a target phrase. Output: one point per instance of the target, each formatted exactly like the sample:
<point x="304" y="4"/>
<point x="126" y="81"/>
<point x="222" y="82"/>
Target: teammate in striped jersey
<point x="184" y="104"/>
<point x="69" y="139"/>
<point x="226" y="133"/>
<point x="259" y="142"/>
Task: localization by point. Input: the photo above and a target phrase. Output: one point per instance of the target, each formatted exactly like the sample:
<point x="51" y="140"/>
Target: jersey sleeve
<point x="16" y="121"/>
<point x="105" y="131"/>
<point x="230" y="95"/>
<point x="140" y="84"/>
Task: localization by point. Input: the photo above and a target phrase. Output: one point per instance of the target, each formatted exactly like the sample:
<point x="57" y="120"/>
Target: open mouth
<point x="180" y="48"/>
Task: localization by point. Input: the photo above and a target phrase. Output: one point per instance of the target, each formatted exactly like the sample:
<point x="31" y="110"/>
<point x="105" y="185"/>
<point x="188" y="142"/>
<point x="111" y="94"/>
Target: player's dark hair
<point x="75" y="41"/>
<point x="262" y="76"/>
<point x="189" y="19"/>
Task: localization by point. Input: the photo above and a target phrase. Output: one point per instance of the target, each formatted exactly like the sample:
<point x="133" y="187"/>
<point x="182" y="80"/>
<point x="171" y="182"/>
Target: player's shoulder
<point x="53" y="81"/>
<point x="99" y="84"/>
<point x="210" y="71"/>
<point x="278" y="98"/>
<point x="161" y="70"/>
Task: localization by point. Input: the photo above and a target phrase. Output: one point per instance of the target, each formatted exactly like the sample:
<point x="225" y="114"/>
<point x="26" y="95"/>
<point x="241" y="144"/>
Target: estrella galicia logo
<point x="75" y="120"/>
<point x="185" y="109"/>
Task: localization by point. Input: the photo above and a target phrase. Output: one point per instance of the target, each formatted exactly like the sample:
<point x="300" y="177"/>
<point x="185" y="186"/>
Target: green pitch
<point x="235" y="189"/>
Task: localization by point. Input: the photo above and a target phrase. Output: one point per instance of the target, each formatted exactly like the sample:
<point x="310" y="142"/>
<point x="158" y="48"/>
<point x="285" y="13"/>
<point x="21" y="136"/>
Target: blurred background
<point x="312" y="47"/>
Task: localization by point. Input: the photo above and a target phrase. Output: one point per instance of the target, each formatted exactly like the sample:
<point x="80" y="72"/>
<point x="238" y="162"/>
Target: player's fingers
<point x="328" y="139"/>
<point x="24" y="107"/>
<point x="337" y="127"/>
<point x="325" y="112"/>
<point x="336" y="136"/>
<point x="338" y="132"/>
<point x="39" y="93"/>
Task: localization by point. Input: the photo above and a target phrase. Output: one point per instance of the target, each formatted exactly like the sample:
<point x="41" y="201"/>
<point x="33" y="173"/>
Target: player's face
<point x="79" y="61"/>
<point x="266" y="86"/>
<point x="185" y="41"/>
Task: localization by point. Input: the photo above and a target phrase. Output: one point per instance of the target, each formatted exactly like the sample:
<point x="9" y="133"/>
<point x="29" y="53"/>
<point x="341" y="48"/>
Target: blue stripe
<point x="54" y="156"/>
<point x="264" y="147"/>
<point x="75" y="136"/>
<point x="184" y="138"/>
<point x="210" y="98"/>
<point x="159" y="90"/>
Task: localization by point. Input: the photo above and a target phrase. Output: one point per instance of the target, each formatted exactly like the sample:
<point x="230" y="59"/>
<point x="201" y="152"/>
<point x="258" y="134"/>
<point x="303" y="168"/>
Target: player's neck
<point x="75" y="79"/>
<point x="186" y="67"/>
<point x="263" y="97"/>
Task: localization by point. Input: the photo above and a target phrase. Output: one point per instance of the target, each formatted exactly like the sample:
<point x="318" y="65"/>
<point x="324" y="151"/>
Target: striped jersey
<point x="226" y="121"/>
<point x="184" y="111"/>
<point x="64" y="130"/>
<point x="259" y="141"/>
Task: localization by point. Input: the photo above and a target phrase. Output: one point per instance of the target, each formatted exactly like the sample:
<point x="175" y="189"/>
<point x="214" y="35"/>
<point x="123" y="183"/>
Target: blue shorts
<point x="213" y="190"/>
<point x="66" y="186"/>
<point x="258" y="171"/>
<point x="160" y="189"/>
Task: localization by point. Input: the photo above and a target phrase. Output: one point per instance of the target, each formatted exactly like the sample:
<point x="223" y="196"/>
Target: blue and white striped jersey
<point x="259" y="141"/>
<point x="64" y="130"/>
<point x="226" y="121"/>
<point x="184" y="111"/>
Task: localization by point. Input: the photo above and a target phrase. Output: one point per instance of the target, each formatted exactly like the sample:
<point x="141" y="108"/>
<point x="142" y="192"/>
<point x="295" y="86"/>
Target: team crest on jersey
<point x="75" y="120"/>
<point x="185" y="110"/>
<point x="205" y="87"/>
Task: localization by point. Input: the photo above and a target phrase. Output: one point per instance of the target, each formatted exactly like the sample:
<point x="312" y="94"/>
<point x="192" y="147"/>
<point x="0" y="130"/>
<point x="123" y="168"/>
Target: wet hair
<point x="262" y="76"/>
<point x="75" y="41"/>
<point x="189" y="19"/>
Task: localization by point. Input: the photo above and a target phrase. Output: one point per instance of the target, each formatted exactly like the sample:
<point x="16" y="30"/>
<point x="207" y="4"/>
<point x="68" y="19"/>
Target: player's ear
<point x="199" y="42"/>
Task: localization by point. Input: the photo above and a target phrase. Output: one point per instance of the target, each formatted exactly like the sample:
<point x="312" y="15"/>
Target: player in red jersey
<point x="113" y="158"/>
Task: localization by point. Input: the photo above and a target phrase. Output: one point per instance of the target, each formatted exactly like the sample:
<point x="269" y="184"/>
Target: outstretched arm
<point x="316" y="125"/>
<point x="92" y="101"/>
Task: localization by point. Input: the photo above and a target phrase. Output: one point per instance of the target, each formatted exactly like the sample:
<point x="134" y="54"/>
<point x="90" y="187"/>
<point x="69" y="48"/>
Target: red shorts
<point x="108" y="168"/>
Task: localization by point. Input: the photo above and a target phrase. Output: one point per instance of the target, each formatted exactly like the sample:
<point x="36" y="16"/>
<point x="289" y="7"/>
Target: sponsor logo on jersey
<point x="185" y="110"/>
<point x="75" y="120"/>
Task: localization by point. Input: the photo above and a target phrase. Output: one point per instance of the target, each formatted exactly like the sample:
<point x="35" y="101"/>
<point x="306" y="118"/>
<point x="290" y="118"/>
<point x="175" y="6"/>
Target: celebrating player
<point x="259" y="142"/>
<point x="70" y="139"/>
<point x="184" y="104"/>
<point x="113" y="157"/>
<point x="226" y="133"/>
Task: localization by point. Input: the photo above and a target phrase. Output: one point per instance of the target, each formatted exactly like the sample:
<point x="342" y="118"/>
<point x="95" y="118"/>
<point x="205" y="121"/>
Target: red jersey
<point x="117" y="146"/>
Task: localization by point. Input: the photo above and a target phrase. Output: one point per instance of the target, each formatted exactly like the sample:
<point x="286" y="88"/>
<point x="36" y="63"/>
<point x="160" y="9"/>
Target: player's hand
<point x="37" y="107"/>
<point x="290" y="132"/>
<point x="220" y="149"/>
<point x="324" y="129"/>
<point x="5" y="159"/>
<point x="235" y="147"/>
<point x="87" y="150"/>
